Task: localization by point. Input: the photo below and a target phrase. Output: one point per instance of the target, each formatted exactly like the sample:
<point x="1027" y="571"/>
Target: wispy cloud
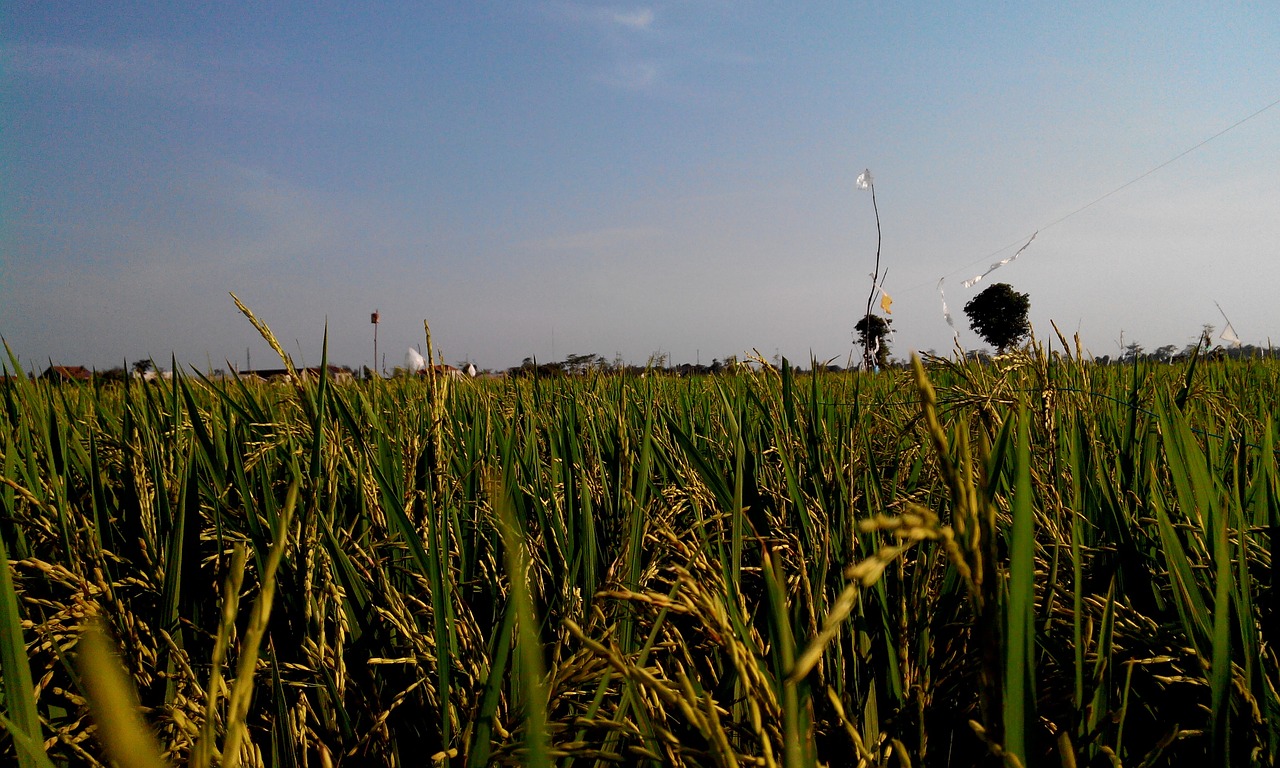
<point x="604" y="17"/>
<point x="605" y="239"/>
<point x="640" y="18"/>
<point x="631" y="75"/>
<point x="169" y="71"/>
<point x="627" y="35"/>
<point x="134" y="64"/>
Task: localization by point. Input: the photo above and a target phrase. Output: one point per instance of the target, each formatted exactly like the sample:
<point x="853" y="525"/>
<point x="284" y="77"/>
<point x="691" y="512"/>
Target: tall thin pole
<point x="375" y="318"/>
<point x="867" y="361"/>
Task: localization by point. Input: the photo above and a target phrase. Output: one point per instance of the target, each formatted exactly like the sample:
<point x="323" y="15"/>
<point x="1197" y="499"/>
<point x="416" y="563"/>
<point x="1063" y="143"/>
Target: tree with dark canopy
<point x="873" y="333"/>
<point x="999" y="315"/>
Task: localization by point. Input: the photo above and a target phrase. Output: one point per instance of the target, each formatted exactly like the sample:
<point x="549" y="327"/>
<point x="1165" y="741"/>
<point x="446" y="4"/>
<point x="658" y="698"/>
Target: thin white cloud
<point x="132" y="65"/>
<point x="640" y="18"/>
<point x="595" y="239"/>
<point x="168" y="71"/>
<point x="626" y="35"/>
<point x="637" y="18"/>
<point x="632" y="75"/>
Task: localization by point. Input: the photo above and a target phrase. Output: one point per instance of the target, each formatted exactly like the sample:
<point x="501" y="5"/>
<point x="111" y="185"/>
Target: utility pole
<point x="375" y="318"/>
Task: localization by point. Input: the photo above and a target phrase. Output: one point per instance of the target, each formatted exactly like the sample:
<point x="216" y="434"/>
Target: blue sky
<point x="547" y="178"/>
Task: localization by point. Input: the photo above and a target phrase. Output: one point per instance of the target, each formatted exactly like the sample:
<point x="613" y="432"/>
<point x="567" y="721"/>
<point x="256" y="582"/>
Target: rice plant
<point x="1036" y="559"/>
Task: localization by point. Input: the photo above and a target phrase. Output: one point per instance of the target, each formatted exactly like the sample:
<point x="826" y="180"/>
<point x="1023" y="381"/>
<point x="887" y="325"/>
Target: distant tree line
<point x="658" y="363"/>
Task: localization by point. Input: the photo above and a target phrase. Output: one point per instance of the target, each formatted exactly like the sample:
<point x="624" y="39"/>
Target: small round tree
<point x="999" y="315"/>
<point x="873" y="333"/>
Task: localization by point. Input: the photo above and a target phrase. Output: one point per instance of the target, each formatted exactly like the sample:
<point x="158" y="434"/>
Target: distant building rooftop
<point x="67" y="373"/>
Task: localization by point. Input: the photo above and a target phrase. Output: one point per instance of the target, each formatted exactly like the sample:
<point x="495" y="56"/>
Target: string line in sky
<point x="1170" y="161"/>
<point x="1099" y="199"/>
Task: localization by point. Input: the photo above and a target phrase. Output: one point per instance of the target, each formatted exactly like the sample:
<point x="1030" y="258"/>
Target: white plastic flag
<point x="945" y="312"/>
<point x="999" y="264"/>
<point x="864" y="179"/>
<point x="1228" y="333"/>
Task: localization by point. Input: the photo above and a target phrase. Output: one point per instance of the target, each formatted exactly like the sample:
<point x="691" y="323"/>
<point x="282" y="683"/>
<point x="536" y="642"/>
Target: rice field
<point x="1034" y="561"/>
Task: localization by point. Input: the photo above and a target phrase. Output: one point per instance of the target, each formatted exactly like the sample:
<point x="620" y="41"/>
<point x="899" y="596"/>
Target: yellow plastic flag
<point x="885" y="301"/>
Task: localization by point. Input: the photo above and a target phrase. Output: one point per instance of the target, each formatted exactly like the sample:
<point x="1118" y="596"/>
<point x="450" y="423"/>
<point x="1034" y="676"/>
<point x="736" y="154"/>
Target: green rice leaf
<point x="19" y="693"/>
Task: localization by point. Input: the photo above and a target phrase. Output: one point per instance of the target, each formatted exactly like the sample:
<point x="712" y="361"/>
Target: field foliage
<point x="1033" y="561"/>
